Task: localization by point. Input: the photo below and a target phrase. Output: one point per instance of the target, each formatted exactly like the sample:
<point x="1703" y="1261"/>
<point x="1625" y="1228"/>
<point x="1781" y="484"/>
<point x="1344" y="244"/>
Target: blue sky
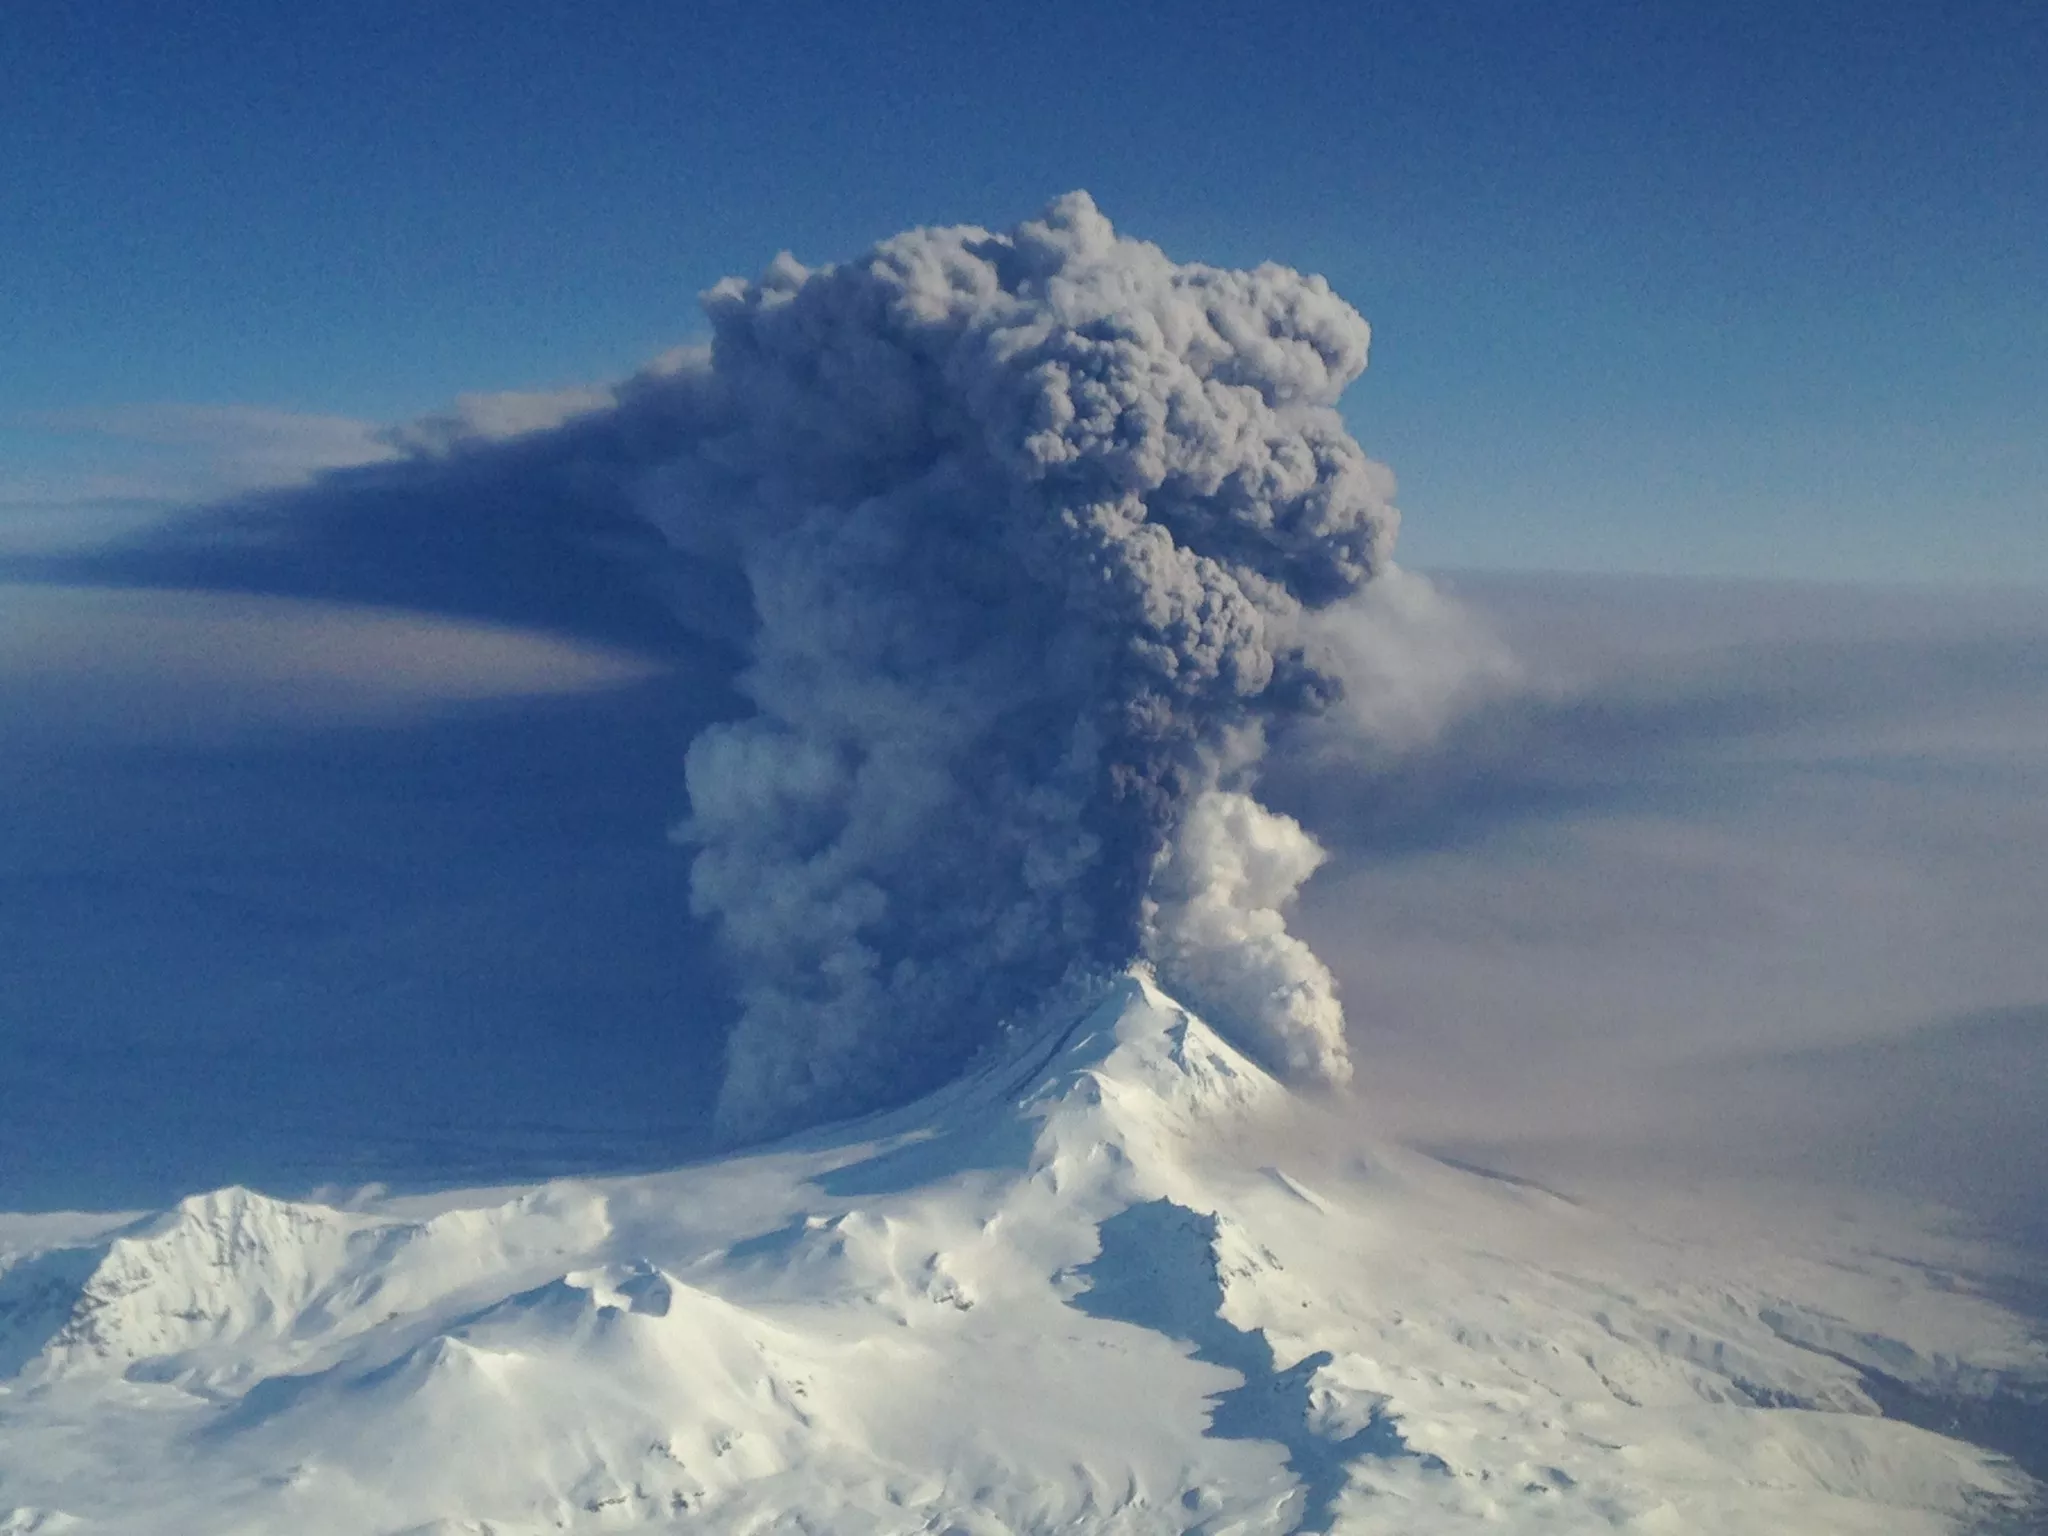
<point x="1743" y="288"/>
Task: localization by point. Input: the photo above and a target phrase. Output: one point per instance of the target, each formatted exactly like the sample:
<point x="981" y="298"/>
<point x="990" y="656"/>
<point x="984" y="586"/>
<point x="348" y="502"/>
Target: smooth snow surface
<point x="1079" y="1291"/>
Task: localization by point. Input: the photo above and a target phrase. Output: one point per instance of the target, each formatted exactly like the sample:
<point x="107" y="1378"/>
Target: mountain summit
<point x="1083" y="1288"/>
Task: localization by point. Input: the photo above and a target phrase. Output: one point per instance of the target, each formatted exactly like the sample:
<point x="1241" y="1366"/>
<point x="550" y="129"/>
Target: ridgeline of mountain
<point x="1077" y="1290"/>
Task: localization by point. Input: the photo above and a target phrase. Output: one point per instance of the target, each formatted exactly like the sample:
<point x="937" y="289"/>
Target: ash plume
<point x="1030" y="523"/>
<point x="1020" y="547"/>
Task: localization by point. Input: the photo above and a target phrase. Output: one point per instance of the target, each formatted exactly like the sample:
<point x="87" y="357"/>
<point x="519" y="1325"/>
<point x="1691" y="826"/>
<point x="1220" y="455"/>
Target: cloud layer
<point x="1743" y="877"/>
<point x="141" y="665"/>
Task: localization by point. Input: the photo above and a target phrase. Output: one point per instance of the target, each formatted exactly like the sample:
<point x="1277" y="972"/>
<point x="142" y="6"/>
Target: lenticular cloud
<point x="1019" y="538"/>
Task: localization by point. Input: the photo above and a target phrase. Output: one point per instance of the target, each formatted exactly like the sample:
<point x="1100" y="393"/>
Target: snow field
<point x="1066" y="1293"/>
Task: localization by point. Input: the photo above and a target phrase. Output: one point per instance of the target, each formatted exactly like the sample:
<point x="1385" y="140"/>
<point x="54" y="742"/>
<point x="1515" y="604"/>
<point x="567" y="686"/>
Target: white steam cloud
<point x="1215" y="923"/>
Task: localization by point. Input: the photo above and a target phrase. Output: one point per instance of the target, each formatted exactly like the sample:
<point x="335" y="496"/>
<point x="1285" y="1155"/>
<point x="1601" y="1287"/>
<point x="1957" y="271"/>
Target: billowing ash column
<point x="1030" y="523"/>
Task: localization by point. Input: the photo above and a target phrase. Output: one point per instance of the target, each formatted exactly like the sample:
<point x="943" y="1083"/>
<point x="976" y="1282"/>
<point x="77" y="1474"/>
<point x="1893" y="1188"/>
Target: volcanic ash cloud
<point x="1030" y="524"/>
<point x="1020" y="539"/>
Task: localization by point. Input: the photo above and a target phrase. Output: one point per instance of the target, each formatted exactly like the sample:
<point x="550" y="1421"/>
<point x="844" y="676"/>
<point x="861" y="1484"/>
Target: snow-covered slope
<point x="1084" y="1289"/>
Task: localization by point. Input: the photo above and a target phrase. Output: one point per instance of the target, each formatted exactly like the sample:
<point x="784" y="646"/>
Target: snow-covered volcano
<point x="1083" y="1289"/>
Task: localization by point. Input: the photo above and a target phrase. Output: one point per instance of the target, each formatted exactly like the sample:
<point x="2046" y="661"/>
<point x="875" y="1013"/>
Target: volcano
<point x="1111" y="1280"/>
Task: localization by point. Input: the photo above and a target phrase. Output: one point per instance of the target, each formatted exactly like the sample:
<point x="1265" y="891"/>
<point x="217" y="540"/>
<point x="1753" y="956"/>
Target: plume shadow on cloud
<point x="430" y="952"/>
<point x="257" y="938"/>
<point x="531" y="530"/>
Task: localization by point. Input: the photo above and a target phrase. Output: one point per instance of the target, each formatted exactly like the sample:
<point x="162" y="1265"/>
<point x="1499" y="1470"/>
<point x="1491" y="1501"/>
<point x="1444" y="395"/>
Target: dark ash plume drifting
<point x="1030" y="523"/>
<point x="1019" y="544"/>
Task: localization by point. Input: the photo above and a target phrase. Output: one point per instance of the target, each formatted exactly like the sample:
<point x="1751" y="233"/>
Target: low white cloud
<point x="151" y="460"/>
<point x="214" y="449"/>
<point x="95" y="475"/>
<point x="258" y="434"/>
<point x="32" y="524"/>
<point x="493" y="417"/>
<point x="145" y="664"/>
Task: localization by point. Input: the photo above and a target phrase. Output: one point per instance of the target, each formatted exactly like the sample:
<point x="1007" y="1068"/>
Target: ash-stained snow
<point x="1074" y="1292"/>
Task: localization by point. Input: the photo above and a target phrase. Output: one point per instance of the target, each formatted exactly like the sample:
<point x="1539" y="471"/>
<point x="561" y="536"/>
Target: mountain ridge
<point x="1067" y="1292"/>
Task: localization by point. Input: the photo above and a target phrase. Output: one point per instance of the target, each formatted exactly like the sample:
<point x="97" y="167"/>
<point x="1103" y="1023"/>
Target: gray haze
<point x="1734" y="879"/>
